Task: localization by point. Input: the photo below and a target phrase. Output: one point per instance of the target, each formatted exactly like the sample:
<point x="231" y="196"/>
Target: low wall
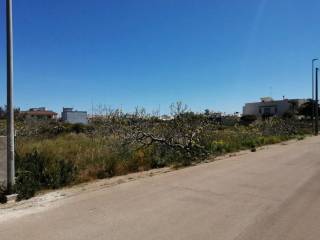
<point x="3" y="160"/>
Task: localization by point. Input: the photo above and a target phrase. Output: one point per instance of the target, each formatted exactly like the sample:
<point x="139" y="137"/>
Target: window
<point x="267" y="111"/>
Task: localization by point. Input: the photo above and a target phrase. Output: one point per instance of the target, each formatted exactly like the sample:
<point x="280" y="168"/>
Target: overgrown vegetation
<point x="37" y="170"/>
<point x="3" y="192"/>
<point x="50" y="155"/>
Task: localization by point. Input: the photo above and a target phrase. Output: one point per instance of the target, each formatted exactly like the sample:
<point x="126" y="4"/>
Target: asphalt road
<point x="271" y="194"/>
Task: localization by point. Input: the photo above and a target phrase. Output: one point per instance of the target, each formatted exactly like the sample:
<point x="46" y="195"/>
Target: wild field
<point x="54" y="154"/>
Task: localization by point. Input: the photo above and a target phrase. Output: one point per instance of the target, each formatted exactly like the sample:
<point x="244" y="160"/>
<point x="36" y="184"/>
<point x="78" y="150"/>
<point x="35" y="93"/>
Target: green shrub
<point x="288" y="115"/>
<point x="36" y="171"/>
<point x="78" y="128"/>
<point x="57" y="173"/>
<point x="300" y="137"/>
<point x="248" y="119"/>
<point x="26" y="185"/>
<point x="250" y="143"/>
<point x="161" y="156"/>
<point x="107" y="168"/>
<point x="3" y="198"/>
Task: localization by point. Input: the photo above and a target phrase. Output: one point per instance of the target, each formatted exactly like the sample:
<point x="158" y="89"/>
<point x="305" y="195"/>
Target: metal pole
<point x="10" y="112"/>
<point x="317" y="105"/>
<point x="312" y="101"/>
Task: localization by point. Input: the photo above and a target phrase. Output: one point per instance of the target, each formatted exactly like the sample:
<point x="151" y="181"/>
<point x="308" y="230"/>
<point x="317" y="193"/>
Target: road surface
<point x="271" y="194"/>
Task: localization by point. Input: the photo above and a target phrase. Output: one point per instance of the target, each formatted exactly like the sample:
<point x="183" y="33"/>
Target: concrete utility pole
<point x="10" y="112"/>
<point x="317" y="105"/>
<point x="313" y="105"/>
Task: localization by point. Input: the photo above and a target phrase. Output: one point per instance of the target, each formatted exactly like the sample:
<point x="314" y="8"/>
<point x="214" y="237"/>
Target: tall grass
<point x="97" y="157"/>
<point x="68" y="155"/>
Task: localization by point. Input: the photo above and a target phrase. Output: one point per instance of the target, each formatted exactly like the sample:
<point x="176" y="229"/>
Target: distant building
<point x="71" y="116"/>
<point x="40" y="113"/>
<point x="166" y="118"/>
<point x="269" y="107"/>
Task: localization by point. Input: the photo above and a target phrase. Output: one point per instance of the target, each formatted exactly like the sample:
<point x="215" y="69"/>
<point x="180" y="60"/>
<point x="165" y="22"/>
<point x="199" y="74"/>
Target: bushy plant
<point x="277" y="127"/>
<point x="26" y="185"/>
<point x="3" y="198"/>
<point x="36" y="171"/>
<point x="107" y="168"/>
<point x="248" y="119"/>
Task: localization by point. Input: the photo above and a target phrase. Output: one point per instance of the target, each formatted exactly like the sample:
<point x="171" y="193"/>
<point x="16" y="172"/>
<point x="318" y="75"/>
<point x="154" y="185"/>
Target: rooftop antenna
<point x="270" y="91"/>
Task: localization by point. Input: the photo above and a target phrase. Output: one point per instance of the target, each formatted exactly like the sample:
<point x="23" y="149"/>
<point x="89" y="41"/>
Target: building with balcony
<point x="268" y="107"/>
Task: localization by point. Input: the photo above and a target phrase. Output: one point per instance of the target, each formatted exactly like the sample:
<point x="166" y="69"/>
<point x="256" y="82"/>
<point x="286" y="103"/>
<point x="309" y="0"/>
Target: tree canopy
<point x="306" y="109"/>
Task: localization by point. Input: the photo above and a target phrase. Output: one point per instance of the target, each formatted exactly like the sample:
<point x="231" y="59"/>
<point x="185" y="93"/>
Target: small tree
<point x="306" y="109"/>
<point x="178" y="108"/>
<point x="181" y="135"/>
<point x="288" y="115"/>
<point x="248" y="119"/>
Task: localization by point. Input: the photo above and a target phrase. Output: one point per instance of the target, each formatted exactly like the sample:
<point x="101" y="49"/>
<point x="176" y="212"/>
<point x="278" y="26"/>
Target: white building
<point x="71" y="116"/>
<point x="269" y="107"/>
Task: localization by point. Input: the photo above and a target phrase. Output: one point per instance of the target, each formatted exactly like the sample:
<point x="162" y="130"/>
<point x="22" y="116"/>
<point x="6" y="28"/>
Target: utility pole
<point x="313" y="91"/>
<point x="10" y="112"/>
<point x="317" y="105"/>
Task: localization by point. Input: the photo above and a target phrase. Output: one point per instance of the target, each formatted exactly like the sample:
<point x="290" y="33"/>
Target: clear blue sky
<point x="208" y="53"/>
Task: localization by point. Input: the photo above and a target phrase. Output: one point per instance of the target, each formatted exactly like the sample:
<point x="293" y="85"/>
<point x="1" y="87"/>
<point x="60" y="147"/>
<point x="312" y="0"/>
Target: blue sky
<point x="122" y="53"/>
